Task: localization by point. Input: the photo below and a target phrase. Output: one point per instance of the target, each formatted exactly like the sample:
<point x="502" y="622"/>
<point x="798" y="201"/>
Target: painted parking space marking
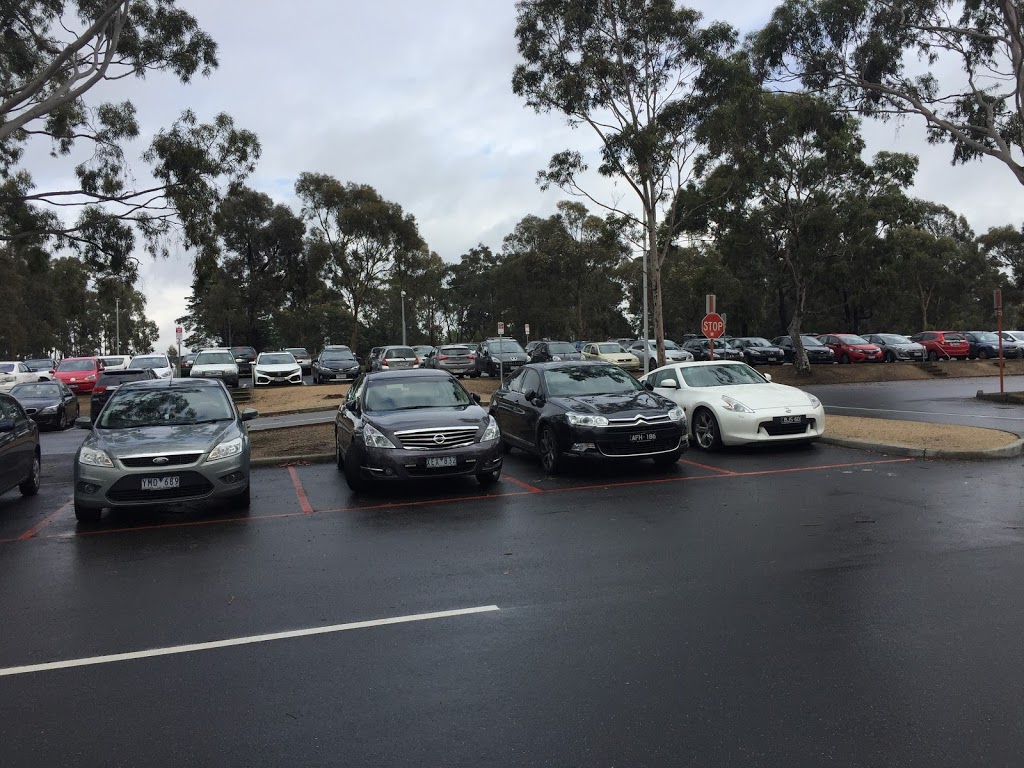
<point x="922" y="413"/>
<point x="307" y="508"/>
<point x="236" y="641"/>
<point x="521" y="483"/>
<point x="63" y="510"/>
<point x="706" y="466"/>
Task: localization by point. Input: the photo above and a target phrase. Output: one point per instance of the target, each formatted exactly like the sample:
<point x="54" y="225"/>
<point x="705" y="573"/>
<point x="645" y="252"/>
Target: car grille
<point x="175" y="460"/>
<point x="657" y="418"/>
<point x="437" y="438"/>
<point x="128" y="489"/>
<point x="780" y="430"/>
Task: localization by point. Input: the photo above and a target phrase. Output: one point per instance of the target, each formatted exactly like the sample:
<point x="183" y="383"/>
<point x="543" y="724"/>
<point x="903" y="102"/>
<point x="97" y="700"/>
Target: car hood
<point x="199" y="369"/>
<point x="765" y="350"/>
<point x="197" y="438"/>
<point x="277" y="368"/>
<point x="39" y="402"/>
<point x="624" y="357"/>
<point x="618" y="405"/>
<point x="762" y="396"/>
<point x="339" y="364"/>
<point x="425" y="418"/>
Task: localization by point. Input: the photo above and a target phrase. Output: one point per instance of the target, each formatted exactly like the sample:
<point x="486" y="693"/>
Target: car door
<point x="531" y="383"/>
<point x="666" y="384"/>
<point x="507" y="405"/>
<point x="347" y="420"/>
<point x="71" y="406"/>
<point x="17" y="445"/>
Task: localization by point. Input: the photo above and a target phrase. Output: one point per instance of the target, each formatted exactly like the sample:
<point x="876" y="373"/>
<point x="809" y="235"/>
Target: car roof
<point x="571" y="364"/>
<point x="173" y="384"/>
<point x="410" y="373"/>
<point x="698" y="364"/>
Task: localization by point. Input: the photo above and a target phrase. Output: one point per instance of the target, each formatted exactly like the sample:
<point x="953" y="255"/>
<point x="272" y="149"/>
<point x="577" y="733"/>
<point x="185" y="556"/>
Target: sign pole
<point x="712" y="326"/>
<point x="501" y="364"/>
<point x="177" y="334"/>
<point x="998" y="296"/>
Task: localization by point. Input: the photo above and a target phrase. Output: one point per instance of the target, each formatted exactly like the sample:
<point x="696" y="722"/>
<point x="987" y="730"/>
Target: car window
<point x="297" y="351"/>
<point x="76" y="365"/>
<point x="661" y="377"/>
<point x="514" y="382"/>
<point x="561" y="348"/>
<point x="9" y="410"/>
<point x="849" y="338"/>
<point x="530" y="381"/>
<point x="151" y="361"/>
<point x="280" y="358"/>
<point x="927" y="337"/>
<point x="399" y="353"/>
<point x="721" y="375"/>
<point x="131" y="408"/>
<point x="611" y="349"/>
<point x="411" y="394"/>
<point x="589" y="380"/>
<point x="42" y="389"/>
<point x="507" y="346"/>
<point x="356" y="390"/>
<point x="214" y="358"/>
<point x="954" y="337"/>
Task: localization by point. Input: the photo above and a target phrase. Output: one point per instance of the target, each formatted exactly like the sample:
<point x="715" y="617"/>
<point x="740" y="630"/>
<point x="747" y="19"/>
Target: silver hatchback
<point x="163" y="441"/>
<point x="457" y="359"/>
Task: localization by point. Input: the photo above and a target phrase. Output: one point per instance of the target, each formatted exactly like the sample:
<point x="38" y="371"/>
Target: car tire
<point x="933" y="357"/>
<point x="487" y="479"/>
<point x="242" y="501"/>
<point x="983" y="354"/>
<point x="668" y="460"/>
<point x="63" y="423"/>
<point x="890" y="357"/>
<point x="353" y="477"/>
<point x="845" y="359"/>
<point x="547" y="447"/>
<point x="339" y="460"/>
<point x="30" y="485"/>
<point x="706" y="432"/>
<point x="506" y="446"/>
<point x="87" y="514"/>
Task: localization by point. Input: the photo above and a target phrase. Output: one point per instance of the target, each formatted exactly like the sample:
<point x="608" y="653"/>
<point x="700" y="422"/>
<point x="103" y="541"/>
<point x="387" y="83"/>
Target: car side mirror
<point x="353" y="406"/>
<point x="83" y="422"/>
<point x="648" y="386"/>
<point x="249" y="414"/>
<point x="669" y="384"/>
<point x="531" y="394"/>
<point x="767" y="377"/>
<point x="6" y="426"/>
<point x="475" y="396"/>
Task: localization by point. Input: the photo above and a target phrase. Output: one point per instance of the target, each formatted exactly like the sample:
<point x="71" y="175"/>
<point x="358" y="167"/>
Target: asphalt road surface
<point x="817" y="606"/>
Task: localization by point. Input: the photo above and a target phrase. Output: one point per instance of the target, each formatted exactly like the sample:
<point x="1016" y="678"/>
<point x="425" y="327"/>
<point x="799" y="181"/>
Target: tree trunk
<point x="353" y="341"/>
<point x="803" y="366"/>
<point x="783" y="322"/>
<point x="654" y="267"/>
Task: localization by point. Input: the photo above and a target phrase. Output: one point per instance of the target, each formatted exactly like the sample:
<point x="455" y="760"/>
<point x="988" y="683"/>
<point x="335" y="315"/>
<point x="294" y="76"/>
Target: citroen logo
<point x="160" y="460"/>
<point x="439" y="439"/>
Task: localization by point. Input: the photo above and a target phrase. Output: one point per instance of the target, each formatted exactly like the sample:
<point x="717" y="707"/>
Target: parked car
<point x="302" y="357"/>
<point x="396" y="358"/>
<point x="729" y="403"/>
<point x="554" y="351"/>
<point x="586" y="410"/>
<point x="275" y="368"/>
<point x="817" y="353"/>
<point x="895" y="347"/>
<point x="700" y="349"/>
<point x="48" y="403"/>
<point x="758" y="351"/>
<point x="44" y="366"/>
<point x="109" y="382"/>
<point x="414" y="424"/>
<point x="79" y="374"/>
<point x="673" y="352"/>
<point x="422" y="350"/>
<point x="335" y="364"/>
<point x="499" y="356"/>
<point x="985" y="344"/>
<point x="611" y="352"/>
<point x="1014" y="336"/>
<point x="188" y="360"/>
<point x="943" y="345"/>
<point x="215" y="364"/>
<point x="115" y="362"/>
<point x="167" y="440"/>
<point x="372" y="358"/>
<point x="457" y="359"/>
<point x="531" y="345"/>
<point x="850" y="348"/>
<point x="245" y="356"/>
<point x="19" y="449"/>
<point x="14" y="372"/>
<point x="159" y="363"/>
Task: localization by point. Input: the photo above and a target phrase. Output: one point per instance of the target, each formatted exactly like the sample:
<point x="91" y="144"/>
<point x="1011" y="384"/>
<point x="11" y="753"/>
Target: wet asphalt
<point x="798" y="607"/>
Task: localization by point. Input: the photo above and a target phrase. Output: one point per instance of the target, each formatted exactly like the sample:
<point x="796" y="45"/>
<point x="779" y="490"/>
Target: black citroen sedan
<point x="416" y="423"/>
<point x="587" y="409"/>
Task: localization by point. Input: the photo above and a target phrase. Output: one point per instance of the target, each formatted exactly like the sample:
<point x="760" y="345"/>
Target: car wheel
<point x="890" y="357"/>
<point x="474" y="375"/>
<point x="487" y="479"/>
<point x="845" y="359"/>
<point x="933" y="356"/>
<point x="668" y="460"/>
<point x="30" y="485"/>
<point x="63" y="424"/>
<point x="983" y="354"/>
<point x="339" y="460"/>
<point x="242" y="500"/>
<point x="353" y="476"/>
<point x="547" y="446"/>
<point x="87" y="514"/>
<point x="705" y="430"/>
<point x="653" y="364"/>
<point x="506" y="446"/>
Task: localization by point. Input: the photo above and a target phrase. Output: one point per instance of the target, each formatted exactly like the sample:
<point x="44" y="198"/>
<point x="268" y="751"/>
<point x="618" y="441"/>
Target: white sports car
<point x="729" y="403"/>
<point x="275" y="368"/>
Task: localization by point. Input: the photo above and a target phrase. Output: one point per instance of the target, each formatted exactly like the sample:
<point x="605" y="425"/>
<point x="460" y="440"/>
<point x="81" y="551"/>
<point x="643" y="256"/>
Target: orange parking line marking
<point x="307" y="508"/>
<point x="184" y="524"/>
<point x="521" y="484"/>
<point x="823" y="466"/>
<point x="64" y="508"/>
<point x="425" y="502"/>
<point x="706" y="466"/>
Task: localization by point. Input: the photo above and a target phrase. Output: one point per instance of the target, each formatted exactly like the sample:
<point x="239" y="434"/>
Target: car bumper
<point x="762" y="427"/>
<point x="404" y="464"/>
<point x="82" y="387"/>
<point x="860" y="357"/>
<point x="262" y="379"/>
<point x="908" y="357"/>
<point x="766" y="359"/>
<point x="618" y="443"/>
<point x="45" y="419"/>
<point x="338" y="375"/>
<point x="121" y="487"/>
<point x="458" y="370"/>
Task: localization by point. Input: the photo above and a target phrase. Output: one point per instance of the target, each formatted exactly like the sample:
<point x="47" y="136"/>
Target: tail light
<point x="472" y="355"/>
<point x="99" y="389"/>
<point x="383" y="363"/>
<point x="442" y="357"/>
<point x="415" y="361"/>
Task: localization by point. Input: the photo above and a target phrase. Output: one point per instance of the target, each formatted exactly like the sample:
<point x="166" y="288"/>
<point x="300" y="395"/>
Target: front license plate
<point x="791" y="420"/>
<point x="160" y="483"/>
<point x="771" y="359"/>
<point x="441" y="462"/>
<point x="644" y="437"/>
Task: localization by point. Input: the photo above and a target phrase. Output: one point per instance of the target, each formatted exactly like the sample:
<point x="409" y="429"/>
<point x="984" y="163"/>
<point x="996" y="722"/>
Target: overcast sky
<point x="414" y="99"/>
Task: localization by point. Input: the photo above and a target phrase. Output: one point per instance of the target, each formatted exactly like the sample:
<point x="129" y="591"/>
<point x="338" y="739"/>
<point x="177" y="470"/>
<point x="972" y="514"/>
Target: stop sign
<point x="712" y="326"/>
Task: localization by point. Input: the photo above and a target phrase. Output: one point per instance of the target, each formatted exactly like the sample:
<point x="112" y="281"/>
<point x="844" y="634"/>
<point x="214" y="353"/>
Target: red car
<point x="943" y="345"/>
<point x="849" y="348"/>
<point x="79" y="373"/>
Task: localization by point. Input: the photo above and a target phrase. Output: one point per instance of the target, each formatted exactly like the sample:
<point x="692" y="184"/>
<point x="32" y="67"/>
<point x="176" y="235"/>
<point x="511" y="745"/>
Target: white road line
<point x="176" y="649"/>
<point x="922" y="413"/>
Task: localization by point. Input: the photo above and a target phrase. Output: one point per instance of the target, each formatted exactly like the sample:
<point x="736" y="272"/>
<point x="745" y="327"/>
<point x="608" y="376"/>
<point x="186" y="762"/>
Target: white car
<point x="13" y="372"/>
<point x="729" y="403"/>
<point x="275" y="368"/>
<point x="215" y="364"/>
<point x="160" y="364"/>
<point x="115" y="362"/>
<point x="673" y="352"/>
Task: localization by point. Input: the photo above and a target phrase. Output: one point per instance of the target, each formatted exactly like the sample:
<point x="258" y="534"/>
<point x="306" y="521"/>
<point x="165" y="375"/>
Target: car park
<point x="554" y="351"/>
<point x="215" y="364"/>
<point x="275" y="368"/>
<point x="758" y="351"/>
<point x="109" y="382"/>
<point x="729" y="403"/>
<point x="20" y="460"/>
<point x="499" y="356"/>
<point x="850" y="348"/>
<point x="611" y="352"/>
<point x="44" y="366"/>
<point x="335" y="364"/>
<point x="48" y="403"/>
<point x="163" y="441"/>
<point x="590" y="410"/>
<point x="414" y="424"/>
<point x="700" y="349"/>
<point x="14" y="372"/>
<point x="457" y="359"/>
<point x="115" y="362"/>
<point x="817" y="353"/>
<point x="983" y="345"/>
<point x="245" y="356"/>
<point x="302" y="357"/>
<point x="79" y="373"/>
<point x="160" y="364"/>
<point x="673" y="352"/>
<point x="943" y="345"/>
<point x="896" y="348"/>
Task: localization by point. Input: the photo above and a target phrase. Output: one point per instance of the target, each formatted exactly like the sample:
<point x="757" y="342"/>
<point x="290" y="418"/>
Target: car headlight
<point x="492" y="432"/>
<point x="94" y="458"/>
<point x="49" y="409"/>
<point x="677" y="414"/>
<point x="586" y="420"/>
<point x="226" y="450"/>
<point x="734" y="405"/>
<point x="374" y="438"/>
<point x="815" y="402"/>
<point x="91" y="377"/>
<point x="239" y="359"/>
<point x="556" y="357"/>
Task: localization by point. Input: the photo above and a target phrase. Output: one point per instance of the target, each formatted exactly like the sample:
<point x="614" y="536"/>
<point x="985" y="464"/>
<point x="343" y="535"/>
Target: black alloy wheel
<point x="63" y="423"/>
<point x="353" y="475"/>
<point x="933" y="356"/>
<point x="983" y="354"/>
<point x="30" y="485"/>
<point x="705" y="430"/>
<point x="547" y="446"/>
<point x="890" y="356"/>
<point x="845" y="359"/>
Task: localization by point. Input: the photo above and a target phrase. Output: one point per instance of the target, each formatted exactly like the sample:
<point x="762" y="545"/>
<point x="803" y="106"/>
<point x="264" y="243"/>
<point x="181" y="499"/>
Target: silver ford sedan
<point x="163" y="441"/>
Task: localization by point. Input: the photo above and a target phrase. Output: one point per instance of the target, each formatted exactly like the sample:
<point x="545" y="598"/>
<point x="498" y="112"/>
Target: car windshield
<point x="895" y="338"/>
<point x="239" y="351"/>
<point x="454" y="351"/>
<point x="757" y="341"/>
<point x="129" y="408"/>
<point x="297" y="352"/>
<point x="281" y="358"/>
<point x="399" y="353"/>
<point x="36" y="390"/>
<point x="849" y="338"/>
<point x="506" y="346"/>
<point x="41" y="363"/>
<point x="1016" y="335"/>
<point x="589" y="380"/>
<point x="409" y="394"/>
<point x="7" y="367"/>
<point x="214" y="358"/>
<point x="76" y="365"/>
<point x="610" y="349"/>
<point x="811" y="341"/>
<point x="113" y="361"/>
<point x="720" y="375"/>
<point x="986" y="338"/>
<point x="141" y="363"/>
<point x="336" y="357"/>
<point x="561" y="348"/>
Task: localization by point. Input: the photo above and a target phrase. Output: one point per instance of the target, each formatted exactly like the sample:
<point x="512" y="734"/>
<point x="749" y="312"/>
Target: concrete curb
<point x="1016" y="448"/>
<point x="296" y="412"/>
<point x="281" y="461"/>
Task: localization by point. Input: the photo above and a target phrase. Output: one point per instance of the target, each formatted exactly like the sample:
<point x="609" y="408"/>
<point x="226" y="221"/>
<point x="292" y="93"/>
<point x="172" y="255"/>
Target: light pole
<point x="403" y="319"/>
<point x="117" y="323"/>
